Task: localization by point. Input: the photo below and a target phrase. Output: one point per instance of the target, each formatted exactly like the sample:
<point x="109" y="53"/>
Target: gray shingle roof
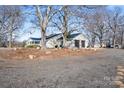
<point x="35" y="38"/>
<point x="70" y="37"/>
<point x="53" y="35"/>
<point x="73" y="35"/>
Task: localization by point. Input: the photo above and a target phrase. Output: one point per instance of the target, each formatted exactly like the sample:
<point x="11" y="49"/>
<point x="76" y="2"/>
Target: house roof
<point x="53" y="35"/>
<point x="73" y="35"/>
<point x="70" y="36"/>
<point x="47" y="37"/>
<point x="32" y="38"/>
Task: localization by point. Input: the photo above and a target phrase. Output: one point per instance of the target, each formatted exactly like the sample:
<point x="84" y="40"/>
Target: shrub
<point x="32" y="46"/>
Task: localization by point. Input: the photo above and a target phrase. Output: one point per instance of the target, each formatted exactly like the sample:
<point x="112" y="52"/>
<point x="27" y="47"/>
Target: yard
<point x="59" y="68"/>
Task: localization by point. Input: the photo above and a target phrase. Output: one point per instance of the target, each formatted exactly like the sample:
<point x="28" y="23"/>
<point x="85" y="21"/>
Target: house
<point x="33" y="41"/>
<point x="76" y="40"/>
<point x="52" y="41"/>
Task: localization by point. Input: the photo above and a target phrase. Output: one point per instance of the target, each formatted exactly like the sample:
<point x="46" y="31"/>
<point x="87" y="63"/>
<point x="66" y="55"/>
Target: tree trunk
<point x="64" y="41"/>
<point x="100" y="43"/>
<point x="122" y="40"/>
<point x="65" y="26"/>
<point x="10" y="39"/>
<point x="43" y="39"/>
<point x="113" y="41"/>
<point x="93" y="41"/>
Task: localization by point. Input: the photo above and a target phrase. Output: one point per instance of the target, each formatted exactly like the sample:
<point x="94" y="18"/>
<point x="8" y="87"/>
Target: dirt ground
<point x="91" y="69"/>
<point x="24" y="53"/>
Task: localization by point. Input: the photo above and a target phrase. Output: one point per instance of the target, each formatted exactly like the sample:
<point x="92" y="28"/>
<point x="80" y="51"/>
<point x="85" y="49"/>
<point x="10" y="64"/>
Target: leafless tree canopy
<point x="10" y="21"/>
<point x="99" y="23"/>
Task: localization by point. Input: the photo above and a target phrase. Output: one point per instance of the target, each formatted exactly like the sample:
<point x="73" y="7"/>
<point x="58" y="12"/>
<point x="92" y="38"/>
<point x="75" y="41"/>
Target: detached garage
<point x="77" y="40"/>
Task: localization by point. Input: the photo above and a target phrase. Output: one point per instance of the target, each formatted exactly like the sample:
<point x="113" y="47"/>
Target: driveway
<point x="79" y="72"/>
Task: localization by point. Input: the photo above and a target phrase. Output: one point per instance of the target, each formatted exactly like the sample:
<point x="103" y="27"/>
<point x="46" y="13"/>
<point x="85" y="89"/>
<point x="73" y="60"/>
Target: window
<point x="37" y="42"/>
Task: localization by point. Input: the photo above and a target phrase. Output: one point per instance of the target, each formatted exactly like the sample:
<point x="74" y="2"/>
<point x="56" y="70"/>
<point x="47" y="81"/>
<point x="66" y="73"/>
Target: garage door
<point x="77" y="43"/>
<point x="82" y="43"/>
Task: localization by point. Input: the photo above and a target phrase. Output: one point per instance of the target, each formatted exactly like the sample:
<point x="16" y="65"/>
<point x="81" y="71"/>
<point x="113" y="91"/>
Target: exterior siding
<point x="52" y="42"/>
<point x="79" y="37"/>
<point x="32" y="42"/>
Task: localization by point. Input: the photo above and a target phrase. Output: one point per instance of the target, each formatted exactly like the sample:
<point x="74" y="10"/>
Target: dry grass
<point x="49" y="53"/>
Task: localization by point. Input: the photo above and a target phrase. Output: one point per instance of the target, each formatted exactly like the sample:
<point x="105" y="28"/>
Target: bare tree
<point x="44" y="17"/>
<point x="10" y="21"/>
<point x="63" y="21"/>
<point x="95" y="23"/>
<point x="113" y="23"/>
<point x="120" y="33"/>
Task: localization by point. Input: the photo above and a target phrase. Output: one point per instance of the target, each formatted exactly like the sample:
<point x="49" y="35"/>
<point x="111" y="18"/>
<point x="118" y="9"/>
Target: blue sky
<point x="24" y="33"/>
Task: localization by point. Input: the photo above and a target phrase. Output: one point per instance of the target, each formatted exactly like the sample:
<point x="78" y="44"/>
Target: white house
<point x="76" y="40"/>
<point x="52" y="41"/>
<point x="33" y="41"/>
